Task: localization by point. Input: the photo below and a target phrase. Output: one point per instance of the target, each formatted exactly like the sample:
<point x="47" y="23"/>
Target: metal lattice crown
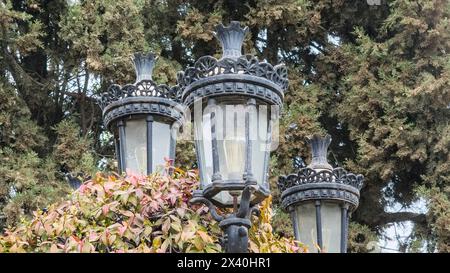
<point x="232" y="61"/>
<point x="144" y="85"/>
<point x="308" y="176"/>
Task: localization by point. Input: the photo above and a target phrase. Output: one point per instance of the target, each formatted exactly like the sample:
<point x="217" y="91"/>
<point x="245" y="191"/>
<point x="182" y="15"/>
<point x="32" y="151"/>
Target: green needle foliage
<point x="376" y="77"/>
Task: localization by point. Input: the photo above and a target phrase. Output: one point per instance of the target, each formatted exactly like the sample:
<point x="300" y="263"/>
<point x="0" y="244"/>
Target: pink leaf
<point x="105" y="209"/>
<point x="122" y="229"/>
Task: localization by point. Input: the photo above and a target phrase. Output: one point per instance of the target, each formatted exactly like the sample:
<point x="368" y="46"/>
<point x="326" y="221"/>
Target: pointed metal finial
<point x="231" y="38"/>
<point x="144" y="64"/>
<point x="319" y="150"/>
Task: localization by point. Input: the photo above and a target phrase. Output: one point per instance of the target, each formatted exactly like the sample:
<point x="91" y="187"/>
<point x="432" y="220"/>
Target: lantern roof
<point x="144" y="96"/>
<point x="240" y="74"/>
<point x="319" y="180"/>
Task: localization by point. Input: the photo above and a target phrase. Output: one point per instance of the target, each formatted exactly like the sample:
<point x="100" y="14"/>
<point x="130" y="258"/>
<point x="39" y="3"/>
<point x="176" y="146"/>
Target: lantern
<point x="320" y="199"/>
<point x="144" y="118"/>
<point x="235" y="102"/>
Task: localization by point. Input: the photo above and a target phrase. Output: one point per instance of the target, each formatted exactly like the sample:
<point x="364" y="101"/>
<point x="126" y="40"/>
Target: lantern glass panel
<point x="136" y="145"/>
<point x="231" y="141"/>
<point x="202" y="130"/>
<point x="160" y="145"/>
<point x="202" y="134"/>
<point x="232" y="144"/>
<point x="331" y="227"/>
<point x="260" y="141"/>
<point x="306" y="225"/>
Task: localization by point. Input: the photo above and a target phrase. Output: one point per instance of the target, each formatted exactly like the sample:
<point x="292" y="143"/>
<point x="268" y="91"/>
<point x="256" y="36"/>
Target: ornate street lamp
<point x="144" y="118"/>
<point x="235" y="102"/>
<point x="320" y="199"/>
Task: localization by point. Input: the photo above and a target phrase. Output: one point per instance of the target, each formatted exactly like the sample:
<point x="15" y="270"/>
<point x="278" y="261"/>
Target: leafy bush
<point x="134" y="213"/>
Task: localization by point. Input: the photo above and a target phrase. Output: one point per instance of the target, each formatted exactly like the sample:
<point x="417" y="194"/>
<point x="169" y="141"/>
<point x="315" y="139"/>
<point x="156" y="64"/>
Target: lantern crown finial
<point x="231" y="38"/>
<point x="144" y="64"/>
<point x="319" y="149"/>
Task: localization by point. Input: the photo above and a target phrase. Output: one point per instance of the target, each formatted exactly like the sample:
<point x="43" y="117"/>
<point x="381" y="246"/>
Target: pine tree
<point x="376" y="77"/>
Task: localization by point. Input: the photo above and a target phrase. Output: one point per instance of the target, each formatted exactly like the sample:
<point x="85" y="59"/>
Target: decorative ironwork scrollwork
<point x="208" y="66"/>
<point x="205" y="66"/>
<point x="144" y="88"/>
<point x="308" y="175"/>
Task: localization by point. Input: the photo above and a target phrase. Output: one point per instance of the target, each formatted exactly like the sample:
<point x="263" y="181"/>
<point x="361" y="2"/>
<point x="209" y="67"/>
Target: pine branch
<point x="396" y="217"/>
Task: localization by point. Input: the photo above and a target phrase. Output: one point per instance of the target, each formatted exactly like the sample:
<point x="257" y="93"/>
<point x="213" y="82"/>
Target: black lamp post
<point x="320" y="199"/>
<point x="144" y="118"/>
<point x="235" y="102"/>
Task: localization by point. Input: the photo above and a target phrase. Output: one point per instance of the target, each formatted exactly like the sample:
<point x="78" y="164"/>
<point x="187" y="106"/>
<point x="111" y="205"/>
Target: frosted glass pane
<point x="306" y="225"/>
<point x="260" y="142"/>
<point x="331" y="226"/>
<point x="225" y="197"/>
<point x="202" y="131"/>
<point x="231" y="159"/>
<point x="136" y="146"/>
<point x="160" y="145"/>
<point x="231" y="141"/>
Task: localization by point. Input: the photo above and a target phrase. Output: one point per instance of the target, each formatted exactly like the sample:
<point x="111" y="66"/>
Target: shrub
<point x="111" y="213"/>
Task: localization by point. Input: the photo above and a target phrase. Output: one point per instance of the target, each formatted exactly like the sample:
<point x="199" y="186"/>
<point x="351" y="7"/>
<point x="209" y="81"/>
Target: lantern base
<point x="236" y="234"/>
<point x="235" y="225"/>
<point x="258" y="194"/>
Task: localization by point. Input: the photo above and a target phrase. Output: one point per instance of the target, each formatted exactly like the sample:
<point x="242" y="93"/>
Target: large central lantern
<point x="144" y="118"/>
<point x="235" y="101"/>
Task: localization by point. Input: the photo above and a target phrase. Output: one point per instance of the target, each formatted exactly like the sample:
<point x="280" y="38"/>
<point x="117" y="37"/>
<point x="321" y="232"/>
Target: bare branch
<point x="403" y="216"/>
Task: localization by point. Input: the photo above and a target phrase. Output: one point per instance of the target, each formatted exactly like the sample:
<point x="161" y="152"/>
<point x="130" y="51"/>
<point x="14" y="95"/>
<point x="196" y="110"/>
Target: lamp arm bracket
<point x="209" y="204"/>
<point x="244" y="206"/>
<point x="255" y="210"/>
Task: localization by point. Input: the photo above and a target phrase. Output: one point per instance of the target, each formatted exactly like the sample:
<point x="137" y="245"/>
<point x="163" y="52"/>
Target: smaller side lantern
<point x="320" y="199"/>
<point x="144" y="118"/>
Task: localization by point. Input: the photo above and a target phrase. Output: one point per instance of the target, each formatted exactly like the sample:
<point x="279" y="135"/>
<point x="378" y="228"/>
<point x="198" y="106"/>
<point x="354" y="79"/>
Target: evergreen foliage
<point x="376" y="77"/>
